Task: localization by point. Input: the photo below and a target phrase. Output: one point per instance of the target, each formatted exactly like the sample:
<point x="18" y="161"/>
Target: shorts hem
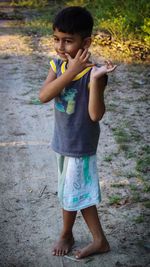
<point x="81" y="208"/>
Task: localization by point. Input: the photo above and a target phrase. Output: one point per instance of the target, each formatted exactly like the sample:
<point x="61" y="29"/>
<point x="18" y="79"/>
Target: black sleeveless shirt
<point x="75" y="134"/>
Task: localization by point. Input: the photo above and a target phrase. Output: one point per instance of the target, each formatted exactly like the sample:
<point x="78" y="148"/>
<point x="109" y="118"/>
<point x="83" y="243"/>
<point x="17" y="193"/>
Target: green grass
<point x="123" y="138"/>
<point x="143" y="163"/>
<point x="108" y="158"/>
<point x="143" y="98"/>
<point x="114" y="199"/>
<point x="147" y="204"/>
<point x="139" y="219"/>
<point x="121" y="135"/>
<point x="130" y="175"/>
<point x="133" y="187"/>
<point x="146" y="188"/>
<point x="118" y="185"/>
<point x="128" y="139"/>
<point x="136" y="197"/>
<point x="112" y="107"/>
<point x="146" y="149"/>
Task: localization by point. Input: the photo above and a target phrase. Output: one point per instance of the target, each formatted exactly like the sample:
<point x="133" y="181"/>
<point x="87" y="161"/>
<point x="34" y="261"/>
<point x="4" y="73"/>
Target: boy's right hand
<point x="79" y="62"/>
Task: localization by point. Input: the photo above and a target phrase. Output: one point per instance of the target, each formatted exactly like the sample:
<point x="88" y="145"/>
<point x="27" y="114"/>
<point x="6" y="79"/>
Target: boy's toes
<point x="54" y="252"/>
<point x="60" y="253"/>
<point x="78" y="254"/>
<point x="66" y="251"/>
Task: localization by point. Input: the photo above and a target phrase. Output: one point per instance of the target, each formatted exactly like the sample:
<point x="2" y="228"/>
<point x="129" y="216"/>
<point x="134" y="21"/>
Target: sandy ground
<point x="30" y="215"/>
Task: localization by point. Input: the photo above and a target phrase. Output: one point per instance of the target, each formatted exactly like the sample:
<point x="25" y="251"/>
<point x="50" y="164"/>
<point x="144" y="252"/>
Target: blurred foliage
<point x="31" y="3"/>
<point x="121" y="18"/>
<point x="146" y="30"/>
<point x="119" y="25"/>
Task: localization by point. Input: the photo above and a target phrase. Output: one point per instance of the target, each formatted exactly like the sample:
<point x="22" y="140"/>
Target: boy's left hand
<point x="98" y="72"/>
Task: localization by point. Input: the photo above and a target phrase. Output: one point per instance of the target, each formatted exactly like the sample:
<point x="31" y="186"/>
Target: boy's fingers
<point x="68" y="56"/>
<point x="115" y="66"/>
<point x="108" y="62"/>
<point x="110" y="65"/>
<point x="84" y="54"/>
<point x="112" y="69"/>
<point x="87" y="56"/>
<point x="79" y="53"/>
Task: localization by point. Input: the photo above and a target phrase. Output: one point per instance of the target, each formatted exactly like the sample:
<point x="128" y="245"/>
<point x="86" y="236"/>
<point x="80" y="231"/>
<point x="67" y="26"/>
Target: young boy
<point x="78" y="89"/>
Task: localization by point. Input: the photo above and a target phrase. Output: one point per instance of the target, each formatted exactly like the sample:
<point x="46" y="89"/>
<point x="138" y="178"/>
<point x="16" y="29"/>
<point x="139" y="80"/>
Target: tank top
<point x="75" y="134"/>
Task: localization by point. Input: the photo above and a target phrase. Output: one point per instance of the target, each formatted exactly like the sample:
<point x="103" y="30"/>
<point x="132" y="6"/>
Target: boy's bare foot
<point x="63" y="246"/>
<point x="95" y="247"/>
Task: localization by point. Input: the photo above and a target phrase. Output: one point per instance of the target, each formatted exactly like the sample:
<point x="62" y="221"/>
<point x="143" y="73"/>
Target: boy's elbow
<point x="41" y="98"/>
<point x="97" y="117"/>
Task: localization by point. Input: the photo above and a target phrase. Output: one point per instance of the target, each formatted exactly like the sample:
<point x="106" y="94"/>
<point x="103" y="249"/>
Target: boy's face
<point x="68" y="43"/>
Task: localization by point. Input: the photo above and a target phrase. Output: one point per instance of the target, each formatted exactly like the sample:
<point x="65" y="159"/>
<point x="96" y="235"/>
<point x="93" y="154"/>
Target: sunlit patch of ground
<point x="15" y="45"/>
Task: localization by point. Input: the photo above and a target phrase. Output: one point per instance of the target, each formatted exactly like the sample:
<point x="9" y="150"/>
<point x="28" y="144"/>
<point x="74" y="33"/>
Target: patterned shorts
<point x="78" y="182"/>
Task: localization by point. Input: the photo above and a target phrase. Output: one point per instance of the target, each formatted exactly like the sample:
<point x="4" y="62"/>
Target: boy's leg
<point x="100" y="243"/>
<point x="66" y="240"/>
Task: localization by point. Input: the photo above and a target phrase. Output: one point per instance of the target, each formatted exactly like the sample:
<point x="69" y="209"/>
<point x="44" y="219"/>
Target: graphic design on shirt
<point x="66" y="101"/>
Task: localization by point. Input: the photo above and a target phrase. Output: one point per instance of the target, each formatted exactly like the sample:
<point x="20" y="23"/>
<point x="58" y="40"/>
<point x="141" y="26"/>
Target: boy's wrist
<point x="95" y="78"/>
<point x="72" y="72"/>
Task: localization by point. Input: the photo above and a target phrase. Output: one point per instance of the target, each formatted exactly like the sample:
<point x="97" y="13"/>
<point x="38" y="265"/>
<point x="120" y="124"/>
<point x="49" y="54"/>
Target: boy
<point x="78" y="88"/>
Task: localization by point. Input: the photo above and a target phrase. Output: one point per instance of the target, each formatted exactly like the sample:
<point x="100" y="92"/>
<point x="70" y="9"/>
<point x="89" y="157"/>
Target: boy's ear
<point x="87" y="42"/>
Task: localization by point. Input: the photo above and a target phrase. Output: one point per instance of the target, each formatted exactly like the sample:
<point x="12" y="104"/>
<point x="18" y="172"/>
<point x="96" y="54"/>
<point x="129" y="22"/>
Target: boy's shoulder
<point x="56" y="63"/>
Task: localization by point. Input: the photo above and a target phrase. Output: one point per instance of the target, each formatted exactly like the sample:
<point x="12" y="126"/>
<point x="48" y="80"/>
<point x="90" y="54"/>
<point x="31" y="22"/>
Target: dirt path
<point x="30" y="213"/>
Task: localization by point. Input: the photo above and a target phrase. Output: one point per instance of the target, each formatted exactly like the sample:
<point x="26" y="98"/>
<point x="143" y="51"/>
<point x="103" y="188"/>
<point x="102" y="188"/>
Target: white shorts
<point x="78" y="182"/>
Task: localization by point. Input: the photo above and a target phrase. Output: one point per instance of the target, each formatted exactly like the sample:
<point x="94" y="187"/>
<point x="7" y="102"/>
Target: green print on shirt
<point x="66" y="101"/>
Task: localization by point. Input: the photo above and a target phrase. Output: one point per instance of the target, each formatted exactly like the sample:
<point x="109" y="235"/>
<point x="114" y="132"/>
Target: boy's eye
<point x="68" y="41"/>
<point x="56" y="39"/>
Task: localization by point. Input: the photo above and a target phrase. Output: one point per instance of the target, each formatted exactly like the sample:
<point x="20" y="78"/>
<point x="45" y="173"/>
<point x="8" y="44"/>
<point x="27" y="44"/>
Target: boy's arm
<point x="98" y="83"/>
<point x="96" y="105"/>
<point x="51" y="77"/>
<point x="53" y="86"/>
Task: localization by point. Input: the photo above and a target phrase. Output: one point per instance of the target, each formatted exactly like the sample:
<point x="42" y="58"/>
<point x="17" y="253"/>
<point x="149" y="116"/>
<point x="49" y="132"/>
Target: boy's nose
<point x="61" y="46"/>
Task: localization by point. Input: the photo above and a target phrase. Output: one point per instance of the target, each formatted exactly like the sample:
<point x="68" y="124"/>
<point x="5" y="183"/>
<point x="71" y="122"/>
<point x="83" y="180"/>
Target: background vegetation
<point x="125" y="22"/>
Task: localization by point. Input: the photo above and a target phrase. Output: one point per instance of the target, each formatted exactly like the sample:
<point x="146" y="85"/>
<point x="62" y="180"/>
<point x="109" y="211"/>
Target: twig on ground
<point x="42" y="191"/>
<point x="71" y="258"/>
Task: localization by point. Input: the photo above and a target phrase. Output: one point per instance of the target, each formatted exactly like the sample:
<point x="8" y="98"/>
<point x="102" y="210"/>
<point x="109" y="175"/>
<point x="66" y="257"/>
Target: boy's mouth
<point x="62" y="54"/>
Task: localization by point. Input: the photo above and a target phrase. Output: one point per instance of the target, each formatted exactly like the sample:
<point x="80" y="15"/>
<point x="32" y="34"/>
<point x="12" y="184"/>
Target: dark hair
<point x="74" y="19"/>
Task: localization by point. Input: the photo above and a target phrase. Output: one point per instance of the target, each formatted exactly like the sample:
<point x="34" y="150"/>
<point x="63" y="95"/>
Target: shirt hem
<point x="70" y="154"/>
